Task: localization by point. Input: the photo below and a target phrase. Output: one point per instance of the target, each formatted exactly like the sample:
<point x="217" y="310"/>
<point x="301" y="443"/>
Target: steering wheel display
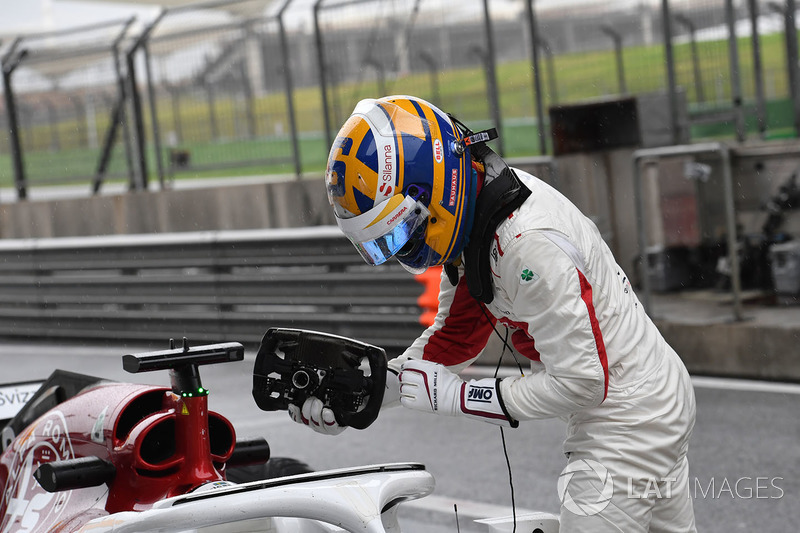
<point x="348" y="376"/>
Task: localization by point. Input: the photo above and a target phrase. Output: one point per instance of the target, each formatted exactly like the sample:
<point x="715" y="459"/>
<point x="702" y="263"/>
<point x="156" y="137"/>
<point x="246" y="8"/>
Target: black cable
<point x="505" y="345"/>
<point x="502" y="433"/>
<point x="510" y="480"/>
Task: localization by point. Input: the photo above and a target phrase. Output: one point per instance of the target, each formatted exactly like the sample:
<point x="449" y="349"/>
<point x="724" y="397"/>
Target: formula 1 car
<point x="85" y="454"/>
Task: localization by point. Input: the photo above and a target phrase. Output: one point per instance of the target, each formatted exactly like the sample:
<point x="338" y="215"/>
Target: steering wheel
<point x="348" y="376"/>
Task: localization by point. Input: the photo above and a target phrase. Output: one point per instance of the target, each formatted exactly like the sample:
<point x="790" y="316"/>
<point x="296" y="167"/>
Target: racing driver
<point x="408" y="181"/>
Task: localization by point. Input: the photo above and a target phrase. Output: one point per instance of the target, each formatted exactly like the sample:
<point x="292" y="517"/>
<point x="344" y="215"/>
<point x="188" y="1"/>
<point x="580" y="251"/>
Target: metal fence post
<point x="790" y="37"/>
<point x="151" y="96"/>
<point x="116" y="121"/>
<point x="698" y="75"/>
<point x="247" y="88"/>
<point x="208" y="85"/>
<point x="491" y="77"/>
<point x="136" y="102"/>
<point x="287" y="78"/>
<point x="792" y="59"/>
<point x="736" y="82"/>
<point x="140" y="160"/>
<point x="617" y="39"/>
<point x="8" y="63"/>
<point x="758" y="69"/>
<point x="175" y="104"/>
<point x="550" y="66"/>
<point x="669" y="56"/>
<point x="537" y="84"/>
<point x="730" y="222"/>
<point x="323" y="77"/>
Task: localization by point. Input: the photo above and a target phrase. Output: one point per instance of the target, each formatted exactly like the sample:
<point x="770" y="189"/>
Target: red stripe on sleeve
<point x="586" y="296"/>
<point x="464" y="333"/>
<point x="521" y="340"/>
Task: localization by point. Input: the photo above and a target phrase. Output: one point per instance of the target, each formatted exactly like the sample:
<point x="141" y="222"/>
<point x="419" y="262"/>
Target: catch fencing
<point x="233" y="87"/>
<point x="64" y="100"/>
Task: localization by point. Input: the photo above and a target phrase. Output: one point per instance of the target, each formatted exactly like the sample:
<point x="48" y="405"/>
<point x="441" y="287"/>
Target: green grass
<point x="579" y="77"/>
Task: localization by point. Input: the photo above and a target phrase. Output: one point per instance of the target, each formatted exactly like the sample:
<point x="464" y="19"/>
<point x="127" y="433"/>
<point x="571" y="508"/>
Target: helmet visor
<point x="382" y="231"/>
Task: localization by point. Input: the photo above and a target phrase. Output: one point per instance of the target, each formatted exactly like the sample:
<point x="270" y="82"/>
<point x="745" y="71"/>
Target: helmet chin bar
<point x="417" y="259"/>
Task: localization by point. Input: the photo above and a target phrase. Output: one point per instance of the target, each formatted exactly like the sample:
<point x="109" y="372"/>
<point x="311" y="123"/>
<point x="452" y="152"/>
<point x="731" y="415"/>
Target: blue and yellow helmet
<point x="400" y="181"/>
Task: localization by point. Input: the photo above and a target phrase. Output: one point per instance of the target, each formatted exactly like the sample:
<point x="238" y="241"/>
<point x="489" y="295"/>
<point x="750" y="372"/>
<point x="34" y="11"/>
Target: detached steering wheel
<point x="348" y="376"/>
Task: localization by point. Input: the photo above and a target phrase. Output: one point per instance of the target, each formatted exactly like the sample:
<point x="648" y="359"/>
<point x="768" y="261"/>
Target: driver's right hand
<point x="315" y="415"/>
<point x="321" y="419"/>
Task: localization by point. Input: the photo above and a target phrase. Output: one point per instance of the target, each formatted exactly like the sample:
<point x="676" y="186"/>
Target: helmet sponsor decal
<point x="387" y="171"/>
<point x="397" y="215"/>
<point x="453" y="187"/>
<point x="438" y="154"/>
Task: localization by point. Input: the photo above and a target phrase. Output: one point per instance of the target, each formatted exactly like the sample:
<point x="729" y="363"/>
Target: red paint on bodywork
<point x="159" y="442"/>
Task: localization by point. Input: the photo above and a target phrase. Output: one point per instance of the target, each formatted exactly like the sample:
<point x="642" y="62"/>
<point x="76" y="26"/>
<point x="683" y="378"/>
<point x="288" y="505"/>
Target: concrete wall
<point x="736" y="349"/>
<point x="245" y="206"/>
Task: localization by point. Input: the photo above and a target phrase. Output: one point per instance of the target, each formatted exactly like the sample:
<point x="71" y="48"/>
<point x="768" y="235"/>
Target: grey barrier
<point x="730" y="216"/>
<point x="732" y="195"/>
<point x="206" y="286"/>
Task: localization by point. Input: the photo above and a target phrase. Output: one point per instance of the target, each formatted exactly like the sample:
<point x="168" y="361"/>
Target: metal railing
<point x="724" y="153"/>
<point x="731" y="195"/>
<point x="205" y="286"/>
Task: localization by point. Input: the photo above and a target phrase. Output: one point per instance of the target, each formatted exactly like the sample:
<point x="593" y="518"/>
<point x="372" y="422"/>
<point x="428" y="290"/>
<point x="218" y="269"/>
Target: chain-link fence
<point x="61" y="90"/>
<point x="215" y="92"/>
<point x="405" y="47"/>
<point x="236" y="87"/>
<point x="609" y="50"/>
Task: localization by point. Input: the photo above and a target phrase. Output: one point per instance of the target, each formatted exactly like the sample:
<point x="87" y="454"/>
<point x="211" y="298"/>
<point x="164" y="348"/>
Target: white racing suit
<point x="597" y="361"/>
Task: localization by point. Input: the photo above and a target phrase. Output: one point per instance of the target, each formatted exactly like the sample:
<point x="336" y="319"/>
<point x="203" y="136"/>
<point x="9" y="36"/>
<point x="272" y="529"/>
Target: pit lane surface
<point x="744" y="455"/>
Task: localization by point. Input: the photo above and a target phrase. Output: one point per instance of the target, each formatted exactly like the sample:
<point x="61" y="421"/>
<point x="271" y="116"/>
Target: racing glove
<point x="430" y="387"/>
<point x="321" y="419"/>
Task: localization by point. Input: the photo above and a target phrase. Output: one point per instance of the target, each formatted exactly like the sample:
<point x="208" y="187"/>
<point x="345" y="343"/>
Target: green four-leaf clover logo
<point x="528" y="275"/>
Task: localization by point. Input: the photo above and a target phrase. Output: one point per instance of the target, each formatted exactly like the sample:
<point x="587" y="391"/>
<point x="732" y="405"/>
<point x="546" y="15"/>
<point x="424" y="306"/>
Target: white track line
<point x="703" y="382"/>
<point x="468" y="510"/>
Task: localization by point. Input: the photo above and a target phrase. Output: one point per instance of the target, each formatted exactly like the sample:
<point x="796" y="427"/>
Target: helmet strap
<point x="481" y="137"/>
<point x="498" y="199"/>
<point x="471" y="138"/>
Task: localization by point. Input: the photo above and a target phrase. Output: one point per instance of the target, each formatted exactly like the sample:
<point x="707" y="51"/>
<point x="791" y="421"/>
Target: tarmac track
<point x="744" y="455"/>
